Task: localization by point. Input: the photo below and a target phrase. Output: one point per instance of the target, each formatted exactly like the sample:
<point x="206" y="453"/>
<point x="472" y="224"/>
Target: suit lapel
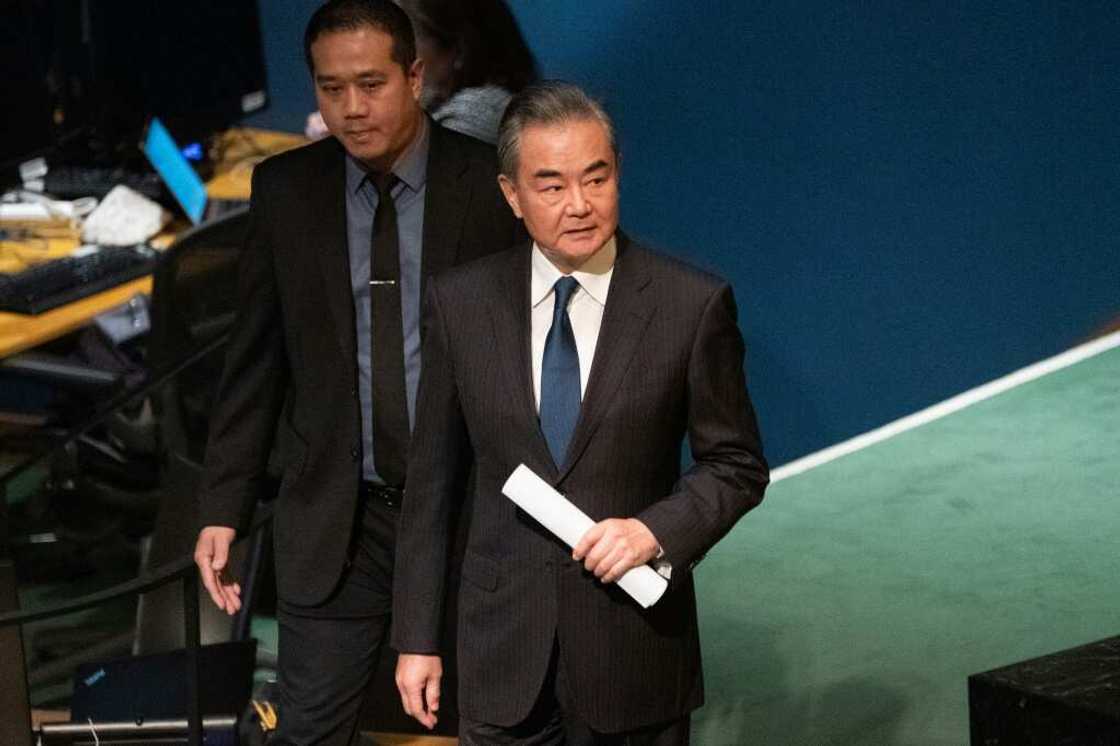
<point x="512" y="331"/>
<point x="625" y="318"/>
<point x="329" y="201"/>
<point x="447" y="196"/>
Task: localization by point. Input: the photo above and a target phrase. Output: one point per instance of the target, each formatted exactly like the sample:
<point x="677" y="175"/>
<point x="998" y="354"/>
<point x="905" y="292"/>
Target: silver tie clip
<point x="382" y="282"/>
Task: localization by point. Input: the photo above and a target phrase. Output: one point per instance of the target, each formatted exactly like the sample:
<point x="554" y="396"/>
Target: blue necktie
<point x="560" y="393"/>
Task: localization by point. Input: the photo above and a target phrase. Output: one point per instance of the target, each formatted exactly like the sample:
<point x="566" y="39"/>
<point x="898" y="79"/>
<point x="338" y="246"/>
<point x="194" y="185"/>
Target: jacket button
<point x="355" y="454"/>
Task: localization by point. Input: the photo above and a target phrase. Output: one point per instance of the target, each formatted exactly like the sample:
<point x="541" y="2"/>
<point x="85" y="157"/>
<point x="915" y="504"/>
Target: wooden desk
<point x="241" y="149"/>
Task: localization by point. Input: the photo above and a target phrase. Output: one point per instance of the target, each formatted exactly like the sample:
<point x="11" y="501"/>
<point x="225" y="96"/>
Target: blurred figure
<point x="475" y="59"/>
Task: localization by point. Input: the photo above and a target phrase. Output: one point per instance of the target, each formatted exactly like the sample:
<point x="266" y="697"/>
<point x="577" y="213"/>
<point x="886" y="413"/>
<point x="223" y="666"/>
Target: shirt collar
<point x="594" y="276"/>
<point x="411" y="168"/>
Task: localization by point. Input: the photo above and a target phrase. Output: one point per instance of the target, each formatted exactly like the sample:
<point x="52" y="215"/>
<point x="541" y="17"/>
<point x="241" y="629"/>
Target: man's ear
<point x="510" y="193"/>
<point x="416" y="78"/>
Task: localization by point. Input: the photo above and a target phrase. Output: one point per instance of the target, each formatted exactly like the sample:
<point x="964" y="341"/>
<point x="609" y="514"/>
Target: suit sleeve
<point x="438" y="454"/>
<point x="254" y="379"/>
<point x="729" y="473"/>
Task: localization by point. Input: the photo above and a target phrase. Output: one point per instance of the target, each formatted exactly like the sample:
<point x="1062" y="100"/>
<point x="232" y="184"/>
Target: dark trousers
<point x="552" y="722"/>
<point x="328" y="653"/>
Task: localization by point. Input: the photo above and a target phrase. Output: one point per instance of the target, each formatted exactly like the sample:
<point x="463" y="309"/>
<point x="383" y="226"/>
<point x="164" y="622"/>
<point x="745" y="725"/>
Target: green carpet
<point x="851" y="606"/>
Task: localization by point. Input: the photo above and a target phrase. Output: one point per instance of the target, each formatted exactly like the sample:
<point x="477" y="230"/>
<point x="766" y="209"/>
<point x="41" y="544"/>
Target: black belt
<point x="390" y="497"/>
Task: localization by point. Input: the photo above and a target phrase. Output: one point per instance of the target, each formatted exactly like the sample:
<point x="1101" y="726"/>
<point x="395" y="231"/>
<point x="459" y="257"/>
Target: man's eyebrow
<point x="363" y="75"/>
<point x="546" y="173"/>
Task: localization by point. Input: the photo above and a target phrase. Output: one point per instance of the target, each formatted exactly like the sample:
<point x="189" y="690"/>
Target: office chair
<point x="194" y="298"/>
<point x="194" y="288"/>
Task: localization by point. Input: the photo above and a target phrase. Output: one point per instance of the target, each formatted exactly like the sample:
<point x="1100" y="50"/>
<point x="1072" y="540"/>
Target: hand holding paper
<point x="556" y="513"/>
<point x="614" y="546"/>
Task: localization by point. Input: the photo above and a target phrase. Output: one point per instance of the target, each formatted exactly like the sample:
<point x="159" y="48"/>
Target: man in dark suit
<point x="588" y="358"/>
<point x="325" y="352"/>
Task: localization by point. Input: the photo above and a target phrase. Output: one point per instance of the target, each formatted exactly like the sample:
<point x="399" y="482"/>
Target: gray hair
<point x="546" y="102"/>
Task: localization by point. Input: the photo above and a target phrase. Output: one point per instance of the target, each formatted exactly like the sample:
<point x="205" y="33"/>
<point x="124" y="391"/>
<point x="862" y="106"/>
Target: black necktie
<point x="560" y="388"/>
<point x="390" y="406"/>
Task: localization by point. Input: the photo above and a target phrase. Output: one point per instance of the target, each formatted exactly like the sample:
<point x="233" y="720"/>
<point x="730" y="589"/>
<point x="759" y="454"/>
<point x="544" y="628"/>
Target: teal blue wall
<point x="909" y="198"/>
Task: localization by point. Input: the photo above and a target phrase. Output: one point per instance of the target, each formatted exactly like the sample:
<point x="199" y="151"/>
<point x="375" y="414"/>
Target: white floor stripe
<point x="947" y="407"/>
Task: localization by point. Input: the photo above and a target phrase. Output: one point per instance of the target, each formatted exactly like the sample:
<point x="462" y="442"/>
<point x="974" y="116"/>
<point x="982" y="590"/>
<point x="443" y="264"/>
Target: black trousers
<point x="553" y="722"/>
<point x="328" y="653"/>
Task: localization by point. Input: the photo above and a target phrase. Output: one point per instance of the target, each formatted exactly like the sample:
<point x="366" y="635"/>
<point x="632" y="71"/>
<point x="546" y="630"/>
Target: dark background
<point x="910" y="199"/>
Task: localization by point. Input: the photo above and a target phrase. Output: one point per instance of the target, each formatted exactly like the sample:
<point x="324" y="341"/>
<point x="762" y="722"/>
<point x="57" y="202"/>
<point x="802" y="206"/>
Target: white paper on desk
<point x="124" y="218"/>
<point x="24" y="211"/>
<point x="556" y="513"/>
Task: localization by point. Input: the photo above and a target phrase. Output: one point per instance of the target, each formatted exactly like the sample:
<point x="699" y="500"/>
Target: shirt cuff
<point x="661" y="565"/>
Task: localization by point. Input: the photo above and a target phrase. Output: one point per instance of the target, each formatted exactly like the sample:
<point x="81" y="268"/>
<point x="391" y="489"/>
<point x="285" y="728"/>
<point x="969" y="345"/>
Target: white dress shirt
<point x="585" y="309"/>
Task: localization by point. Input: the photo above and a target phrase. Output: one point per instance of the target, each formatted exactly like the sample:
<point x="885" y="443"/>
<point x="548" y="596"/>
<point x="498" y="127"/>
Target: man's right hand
<point x="211" y="554"/>
<point x="418" y="679"/>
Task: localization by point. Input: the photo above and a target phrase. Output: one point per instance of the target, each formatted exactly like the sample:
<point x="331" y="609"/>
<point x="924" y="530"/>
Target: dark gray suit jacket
<point x="669" y="364"/>
<point x="291" y="366"/>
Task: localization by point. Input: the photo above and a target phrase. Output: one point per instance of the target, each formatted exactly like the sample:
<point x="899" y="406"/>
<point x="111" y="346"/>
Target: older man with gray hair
<point x="588" y="358"/>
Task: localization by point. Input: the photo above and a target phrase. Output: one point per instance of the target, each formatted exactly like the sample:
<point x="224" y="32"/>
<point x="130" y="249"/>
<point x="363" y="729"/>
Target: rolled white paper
<point x="556" y="513"/>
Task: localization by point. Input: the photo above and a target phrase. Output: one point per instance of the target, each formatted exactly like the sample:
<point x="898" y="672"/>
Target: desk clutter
<point x="55" y="252"/>
<point x="37" y="229"/>
<point x="71" y="233"/>
<point x="56" y="282"/>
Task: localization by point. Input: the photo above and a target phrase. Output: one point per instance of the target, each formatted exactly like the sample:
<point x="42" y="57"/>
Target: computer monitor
<point x="198" y="66"/>
<point x="25" y="123"/>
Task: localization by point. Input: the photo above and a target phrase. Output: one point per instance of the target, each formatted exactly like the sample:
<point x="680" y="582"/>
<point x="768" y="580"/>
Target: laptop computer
<point x="180" y="177"/>
<point x="153" y="687"/>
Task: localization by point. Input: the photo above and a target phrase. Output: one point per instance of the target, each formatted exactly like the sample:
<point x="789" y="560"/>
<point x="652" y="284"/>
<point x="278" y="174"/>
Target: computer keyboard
<point x="70" y="182"/>
<point x="54" y="283"/>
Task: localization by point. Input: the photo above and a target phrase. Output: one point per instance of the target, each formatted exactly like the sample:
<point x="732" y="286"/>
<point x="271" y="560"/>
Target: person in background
<point x="324" y="356"/>
<point x="475" y="59"/>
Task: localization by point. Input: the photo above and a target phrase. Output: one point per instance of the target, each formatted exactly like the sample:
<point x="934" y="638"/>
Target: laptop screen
<point x="175" y="170"/>
<point x="154" y="687"/>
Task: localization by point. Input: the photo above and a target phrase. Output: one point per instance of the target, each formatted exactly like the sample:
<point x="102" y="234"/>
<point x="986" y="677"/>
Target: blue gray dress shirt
<point x="361" y="205"/>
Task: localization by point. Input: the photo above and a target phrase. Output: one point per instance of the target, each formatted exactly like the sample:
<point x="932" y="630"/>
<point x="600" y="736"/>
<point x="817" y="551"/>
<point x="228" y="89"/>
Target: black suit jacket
<point x="291" y="367"/>
<point x="668" y="364"/>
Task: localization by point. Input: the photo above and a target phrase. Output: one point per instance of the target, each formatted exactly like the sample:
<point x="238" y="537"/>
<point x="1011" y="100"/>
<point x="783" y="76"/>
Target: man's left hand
<point x="418" y="678"/>
<point x="612" y="547"/>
